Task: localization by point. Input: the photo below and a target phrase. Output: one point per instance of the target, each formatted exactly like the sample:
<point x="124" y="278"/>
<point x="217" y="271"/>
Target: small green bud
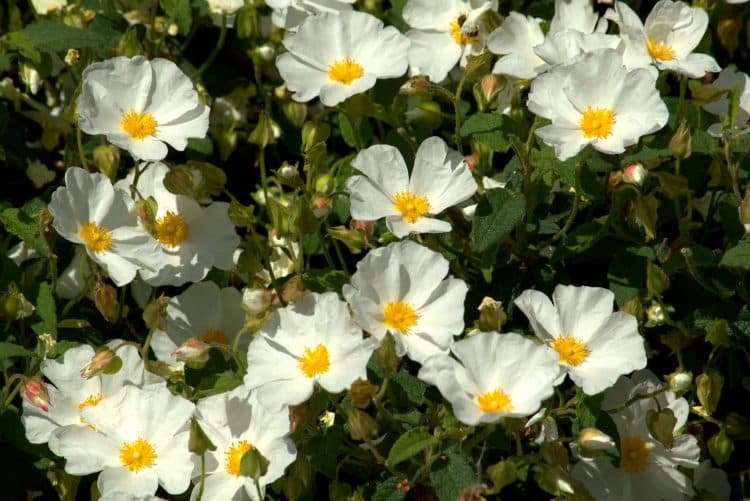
<point x="266" y="132"/>
<point x="199" y="443"/>
<point x="502" y="474"/>
<point x="708" y="388"/>
<point x="155" y="313"/>
<point x="324" y="183"/>
<point x="253" y="464"/>
<point x="361" y="425"/>
<point x="353" y="239"/>
<point x="681" y="144"/>
<point x="721" y="447"/>
<point x="107" y="160"/>
<point x="99" y="362"/>
<point x="361" y="392"/>
<point x="295" y="112"/>
<point x="314" y="133"/>
<point x="491" y="315"/>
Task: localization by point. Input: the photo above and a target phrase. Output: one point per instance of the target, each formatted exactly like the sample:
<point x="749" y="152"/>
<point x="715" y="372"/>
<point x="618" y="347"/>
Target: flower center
<point x="97" y="238"/>
<point x="411" y="206"/>
<point x="399" y="316"/>
<point x="495" y="402"/>
<point x="634" y="452"/>
<point x="215" y="336"/>
<point x="345" y="71"/>
<point x="138" y="125"/>
<point x="571" y="349"/>
<point x="659" y="50"/>
<point x="461" y="36"/>
<point x="171" y="230"/>
<point x="234" y="456"/>
<point x="315" y="361"/>
<point x="137" y="455"/>
<point x="597" y="122"/>
<point x="91" y="401"/>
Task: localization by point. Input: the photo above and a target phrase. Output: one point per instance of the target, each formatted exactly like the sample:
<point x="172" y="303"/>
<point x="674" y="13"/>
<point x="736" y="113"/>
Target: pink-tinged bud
<point x="256" y="301"/>
<point x="321" y="206"/>
<point x="192" y="350"/>
<point x="35" y="392"/>
<point x="101" y="359"/>
<point x="491" y="86"/>
<point x="366" y="227"/>
<point x="634" y="174"/>
<point x="471" y="161"/>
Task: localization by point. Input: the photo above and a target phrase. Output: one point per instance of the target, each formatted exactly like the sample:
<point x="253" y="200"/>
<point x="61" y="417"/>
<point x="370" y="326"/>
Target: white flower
<point x="72" y="280"/>
<point x="578" y="15"/>
<point x="671" y="33"/>
<point x="596" y="101"/>
<point x="338" y="56"/>
<point x="730" y="78"/>
<point x="22" y="252"/>
<point x="312" y="341"/>
<point x="140" y="442"/>
<point x="402" y="289"/>
<point x="440" y="179"/>
<point x="190" y="239"/>
<point x="236" y="422"/>
<point x="221" y="8"/>
<point x="568" y="46"/>
<point x="203" y="311"/>
<point x="140" y="104"/>
<point x="647" y="470"/>
<point x="72" y="393"/>
<point x="712" y="481"/>
<point x="43" y="7"/>
<point x="91" y="212"/>
<point x="495" y="376"/>
<point x="515" y="41"/>
<point x="443" y="33"/>
<point x="594" y="345"/>
<point x="290" y="14"/>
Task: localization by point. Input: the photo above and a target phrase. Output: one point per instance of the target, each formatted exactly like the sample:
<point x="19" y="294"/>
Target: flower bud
<point x="172" y="30"/>
<point x="192" y="351"/>
<point x="266" y="132"/>
<point x="314" y="133"/>
<point x="247" y="22"/>
<point x="324" y="183"/>
<point x="15" y="306"/>
<point x="45" y="344"/>
<point x="99" y="362"/>
<point x="105" y="300"/>
<point x="30" y="76"/>
<point x="253" y="464"/>
<point x="361" y="392"/>
<point x="256" y="301"/>
<point x="299" y="417"/>
<point x="353" y="239"/>
<point x="416" y="86"/>
<point x="661" y="425"/>
<point x="491" y="315"/>
<point x="146" y="209"/>
<point x="35" y="392"/>
<point x="490" y="86"/>
<point x="479" y="65"/>
<point x="155" y="314"/>
<point x="680" y="381"/>
<point x="708" y="388"/>
<point x="728" y="31"/>
<point x="72" y="56"/>
<point x="295" y="112"/>
<point x="634" y="174"/>
<point x="502" y="474"/>
<point x="592" y="440"/>
<point x="386" y="354"/>
<point x="107" y="160"/>
<point x="681" y="144"/>
<point x="321" y="206"/>
<point x="199" y="443"/>
<point x="288" y="171"/>
<point x="721" y="447"/>
<point x="361" y="425"/>
<point x="655" y="315"/>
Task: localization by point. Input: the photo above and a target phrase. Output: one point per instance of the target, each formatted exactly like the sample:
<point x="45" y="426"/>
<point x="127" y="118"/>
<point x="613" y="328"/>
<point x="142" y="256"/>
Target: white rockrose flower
<point x="403" y="289"/>
<point x="730" y="78"/>
<point x="44" y="7"/>
<point x="235" y="422"/>
<point x="670" y="35"/>
<point x="203" y="311"/>
<point x="595" y="346"/>
<point x="515" y="41"/>
<point x="313" y="341"/>
<point x="336" y="56"/>
<point x="22" y="252"/>
<point x="444" y="33"/>
<point x="73" y="279"/>
<point x="140" y="105"/>
<point x="493" y="376"/>
<point x="440" y="179"/>
<point x="578" y="15"/>
<point x="221" y="8"/>
<point x="140" y="442"/>
<point x="596" y="101"/>
<point x="712" y="481"/>
<point x="289" y="14"/>
<point x="568" y="46"/>
<point x="89" y="211"/>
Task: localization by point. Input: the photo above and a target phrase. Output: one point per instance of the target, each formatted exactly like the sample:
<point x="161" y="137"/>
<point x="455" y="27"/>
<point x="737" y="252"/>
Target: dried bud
<point x="106" y="302"/>
<point x="634" y="174"/>
<point x="361" y="392"/>
<point x="592" y="440"/>
<point x="45" y="344"/>
<point x="107" y="160"/>
<point x="361" y="425"/>
<point x="256" y="301"/>
<point x="680" y="381"/>
<point x="681" y="144"/>
<point x="192" y="351"/>
<point x="99" y="362"/>
<point x="491" y="315"/>
<point x="35" y="392"/>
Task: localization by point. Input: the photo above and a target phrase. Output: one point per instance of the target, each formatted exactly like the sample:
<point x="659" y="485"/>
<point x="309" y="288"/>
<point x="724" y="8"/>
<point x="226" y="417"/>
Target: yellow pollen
<point x="495" y="402"/>
<point x="315" y="361"/>
<point x="345" y="71"/>
<point x="659" y="50"/>
<point x="571" y="349"/>
<point x="171" y="230"/>
<point x="97" y="238"/>
<point x="137" y="455"/>
<point x="399" y="316"/>
<point x="634" y="453"/>
<point x="215" y="336"/>
<point x="91" y="401"/>
<point x="597" y="122"/>
<point x="234" y="456"/>
<point x="412" y="207"/>
<point x="138" y="125"/>
<point x="459" y="36"/>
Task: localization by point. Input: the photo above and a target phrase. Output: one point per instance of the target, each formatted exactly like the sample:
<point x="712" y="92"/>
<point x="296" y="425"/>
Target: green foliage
<point x="497" y="214"/>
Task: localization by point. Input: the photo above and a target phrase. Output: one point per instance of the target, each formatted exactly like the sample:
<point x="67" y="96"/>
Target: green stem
<point x="146" y="344"/>
<point x="79" y="142"/>
<point x="340" y="255"/>
<point x="457" y="111"/>
<point x="217" y="48"/>
<point x="203" y="477"/>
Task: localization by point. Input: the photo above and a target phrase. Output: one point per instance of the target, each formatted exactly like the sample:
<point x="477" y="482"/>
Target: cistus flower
<point x="235" y="422"/>
<point x="729" y="79"/>
<point x="314" y="341"/>
<point x="44" y="7"/>
<point x="89" y="211"/>
<point x="289" y="14"/>
<point x="515" y="40"/>
<point x="139" y="105"/>
<point x="444" y="33"/>
<point x="140" y="442"/>
<point x="403" y="289"/>
<point x="440" y="179"/>
<point x="594" y="345"/>
<point x="493" y="376"/>
<point x="596" y="101"/>
<point x="336" y="56"/>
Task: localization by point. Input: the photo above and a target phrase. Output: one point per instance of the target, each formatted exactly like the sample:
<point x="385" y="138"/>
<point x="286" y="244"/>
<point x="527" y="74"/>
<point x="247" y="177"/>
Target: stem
<point x="146" y="344"/>
<point x="203" y="477"/>
<point x="217" y="48"/>
<point x="457" y="110"/>
<point x="340" y="255"/>
<point x="79" y="141"/>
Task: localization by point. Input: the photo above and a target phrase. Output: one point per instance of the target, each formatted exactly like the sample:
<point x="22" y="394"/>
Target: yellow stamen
<point x="345" y="71"/>
<point x="172" y="229"/>
<point x="138" y="125"/>
<point x="315" y="361"/>
<point x="215" y="336"/>
<point x="91" y="401"/>
<point x="399" y="316"/>
<point x="571" y="349"/>
<point x="460" y="36"/>
<point x="137" y="455"/>
<point x="495" y="402"/>
<point x="659" y="50"/>
<point x="234" y="456"/>
<point x="597" y="122"/>
<point x="411" y="206"/>
<point x="97" y="238"/>
<point x="634" y="453"/>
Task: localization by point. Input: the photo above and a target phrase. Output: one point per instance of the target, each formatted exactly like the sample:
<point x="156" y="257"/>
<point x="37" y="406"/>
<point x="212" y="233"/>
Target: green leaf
<point x="46" y="311"/>
<point x="55" y="37"/>
<point x="738" y="256"/>
<point x="450" y="476"/>
<point x="410" y="444"/>
<point x="323" y="451"/>
<point x="25" y="46"/>
<point x="408" y="389"/>
<point x="491" y="129"/>
<point x="497" y="214"/>
<point x="388" y="491"/>
<point x="10" y="350"/>
<point x="347" y="130"/>
<point x="325" y="280"/>
<point x="179" y="12"/>
<point x="587" y="411"/>
<point x="23" y="226"/>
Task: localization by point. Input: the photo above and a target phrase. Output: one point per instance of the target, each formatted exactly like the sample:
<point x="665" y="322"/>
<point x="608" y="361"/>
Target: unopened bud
<point x="634" y="174"/>
<point x="681" y="144"/>
<point x="199" y="443"/>
<point x="491" y="85"/>
<point x="15" y="306"/>
<point x="99" y="362"/>
<point x="295" y="112"/>
<point x="728" y="31"/>
<point x="72" y="56"/>
<point x="288" y="171"/>
<point x="35" y="392"/>
<point x="146" y="209"/>
<point x="314" y="133"/>
<point x="299" y="417"/>
<point x="592" y="440"/>
<point x="366" y="227"/>
<point x="477" y="66"/>
<point x="266" y="132"/>
<point x="321" y="205"/>
<point x="247" y="22"/>
<point x="361" y="425"/>
<point x="106" y="302"/>
<point x="107" y="160"/>
<point x="253" y="464"/>
<point x="661" y="425"/>
<point x="193" y="351"/>
<point x="353" y="239"/>
<point x="416" y="86"/>
<point x="655" y="315"/>
<point x="155" y="313"/>
<point x="172" y="30"/>
<point x="708" y="388"/>
<point x="386" y="354"/>
<point x="45" y="344"/>
<point x="324" y="183"/>
<point x="256" y="301"/>
<point x="502" y="474"/>
<point x="30" y="76"/>
<point x="361" y="392"/>
<point x="680" y="381"/>
<point x="491" y="315"/>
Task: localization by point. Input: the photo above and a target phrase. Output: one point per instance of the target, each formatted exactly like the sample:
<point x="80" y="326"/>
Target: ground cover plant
<point x="361" y="249"/>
